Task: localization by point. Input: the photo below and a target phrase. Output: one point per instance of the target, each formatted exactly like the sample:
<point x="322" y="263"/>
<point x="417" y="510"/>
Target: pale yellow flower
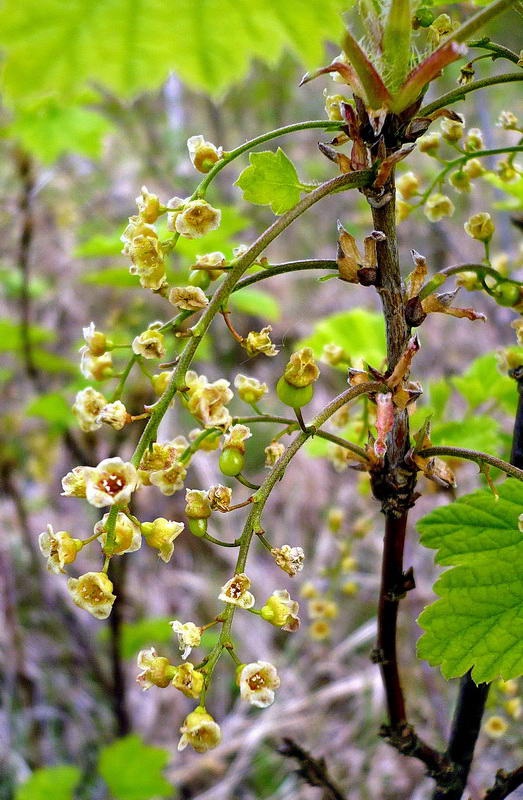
<point x="189" y="636"/>
<point x="188" y="298"/>
<point x="220" y="497"/>
<point x="281" y="611"/>
<point x="87" y="406"/>
<point x="289" y="559"/>
<point x="495" y="727"/>
<point x="407" y="185"/>
<point x="114" y="414"/>
<point x="480" y="226"/>
<point x="320" y="607"/>
<point x="319" y="630"/>
<point x="95" y="368"/>
<point x="161" y="381"/>
<point x="161" y="467"/>
<point x="250" y="390"/>
<point x="148" y="205"/>
<point x="273" y="452"/>
<point x="207" y="401"/>
<point x="188" y="680"/>
<point x="258" y="682"/>
<point x="141" y="244"/>
<point x="474" y="140"/>
<point x="301" y="369"/>
<point x="161" y="534"/>
<point x="333" y="354"/>
<point x="73" y="484"/>
<point x="203" y="154"/>
<point x="193" y="218"/>
<point x="474" y="168"/>
<point x="235" y="591"/>
<point x="200" y="731"/>
<point x="429" y="143"/>
<point x="452" y="129"/>
<point x="127" y="534"/>
<point x="332" y="105"/>
<point x="155" y="670"/>
<point x="260" y="342"/>
<point x="508" y="121"/>
<point x="236" y="437"/>
<point x="95" y="341"/>
<point x="197" y="504"/>
<point x="149" y="344"/>
<point x="212" y="263"/>
<point x="92" y="592"/>
<point x="208" y="443"/>
<point x="59" y="548"/>
<point x="112" y="482"/>
<point x="438" y="206"/>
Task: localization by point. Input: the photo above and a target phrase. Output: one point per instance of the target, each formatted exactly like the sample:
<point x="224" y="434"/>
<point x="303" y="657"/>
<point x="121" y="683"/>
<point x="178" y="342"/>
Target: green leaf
<point x="144" y="632"/>
<point x="100" y="245"/>
<point x="483" y="382"/>
<point x="477" y="623"/>
<point x="55" y="782"/>
<point x="52" y="362"/>
<point x="120" y="277"/>
<point x="51" y="48"/>
<point x="48" y="130"/>
<point x="133" y="771"/>
<point x="257" y="303"/>
<point x="10" y="335"/>
<point x="271" y="180"/>
<point x="476" y="433"/>
<point x="514" y="190"/>
<point x="361" y="333"/>
<point x="53" y="407"/>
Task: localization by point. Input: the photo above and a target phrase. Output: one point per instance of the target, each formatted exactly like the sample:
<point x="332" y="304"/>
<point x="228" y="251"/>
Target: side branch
<point x="474" y="455"/>
<point x="280" y="269"/>
<point x="458" y="94"/>
<point x="506" y="783"/>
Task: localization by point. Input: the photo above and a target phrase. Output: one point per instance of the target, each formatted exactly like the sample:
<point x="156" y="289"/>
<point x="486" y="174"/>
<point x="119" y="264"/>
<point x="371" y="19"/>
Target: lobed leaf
<point x="271" y="180"/>
<point x="477" y="622"/>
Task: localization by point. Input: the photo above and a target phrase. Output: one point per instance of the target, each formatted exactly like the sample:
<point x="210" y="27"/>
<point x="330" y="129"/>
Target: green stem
<point x="478" y="20"/>
<point x="265" y="137"/>
<point x="280" y="269"/>
<point x="457" y="162"/>
<point x="439" y="278"/>
<point x="473" y="455"/>
<point x="125" y="374"/>
<point x="496" y="49"/>
<point x="458" y="94"/>
<point x="253" y="521"/>
<point x="209" y="538"/>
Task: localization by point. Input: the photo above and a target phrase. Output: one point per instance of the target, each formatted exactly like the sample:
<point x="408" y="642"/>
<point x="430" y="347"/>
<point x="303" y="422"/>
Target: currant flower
<point x="86" y="408"/>
<point x="200" y="731"/>
<point x="407" y="185"/>
<point x="235" y="591"/>
<point x="289" y="559"/>
<point x="480" y="226"/>
<point x="95" y="368"/>
<point x="161" y="467"/>
<point x="115" y="415"/>
<point x="495" y="727"/>
<point x="192" y="218"/>
<point x="92" y="592"/>
<point x="438" y="206"/>
<point x="59" y="548"/>
<point x="260" y="342"/>
<point x="112" y="482"/>
<point x="207" y="401"/>
<point x="273" y="452"/>
<point x="188" y="298"/>
<point x="189" y="636"/>
<point x="95" y="341"/>
<point x="250" y="390"/>
<point x="149" y="344"/>
<point x="321" y="607"/>
<point x="155" y="670"/>
<point x="148" y="205"/>
<point x="203" y="154"/>
<point x="127" y="535"/>
<point x="220" y="497"/>
<point x="188" y="680"/>
<point x="161" y="534"/>
<point x="281" y="611"/>
<point x="73" y="484"/>
<point x="258" y="682"/>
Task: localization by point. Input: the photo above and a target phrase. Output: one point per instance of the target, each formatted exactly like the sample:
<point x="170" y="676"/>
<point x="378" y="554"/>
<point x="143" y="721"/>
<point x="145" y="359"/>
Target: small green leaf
<point x="361" y="333"/>
<point x="133" y="771"/>
<point x="483" y="383"/>
<point x="257" y="303"/>
<point x="271" y="180"/>
<point x="119" y="277"/>
<point x="477" y="623"/>
<point x="48" y="130"/>
<point x="99" y="245"/>
<point x="56" y="782"/>
<point x="143" y="633"/>
<point x="53" y="407"/>
<point x="476" y="433"/>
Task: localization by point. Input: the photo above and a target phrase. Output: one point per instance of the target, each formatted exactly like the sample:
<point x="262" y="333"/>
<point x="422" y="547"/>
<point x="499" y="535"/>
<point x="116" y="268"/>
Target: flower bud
<point x="508" y="121"/>
<point x="480" y="226"/>
<point x="188" y="298"/>
<point x="474" y="140"/>
<point x="149" y="344"/>
<point x="197" y="505"/>
<point x="460" y="181"/>
<point x="59" y="548"/>
<point x="407" y="185"/>
<point x="114" y="414"/>
<point x="429" y="143"/>
<point x="161" y="534"/>
<point x="148" y="205"/>
<point x="161" y="381"/>
<point x="156" y="670"/>
<point x="452" y="130"/>
<point x="273" y="452"/>
<point x="474" y="168"/>
<point x="203" y="154"/>
<point x="438" y="206"/>
<point x="250" y="390"/>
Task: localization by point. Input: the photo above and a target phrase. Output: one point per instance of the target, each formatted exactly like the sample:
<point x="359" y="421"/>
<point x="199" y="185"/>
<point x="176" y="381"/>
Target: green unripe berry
<point x="507" y="294"/>
<point x="231" y="461"/>
<point x="294" y="396"/>
<point x="200" y="278"/>
<point x="198" y="526"/>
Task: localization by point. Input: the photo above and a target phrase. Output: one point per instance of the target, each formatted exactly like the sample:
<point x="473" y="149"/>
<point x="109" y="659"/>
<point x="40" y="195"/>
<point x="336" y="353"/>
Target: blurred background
<point x="97" y="102"/>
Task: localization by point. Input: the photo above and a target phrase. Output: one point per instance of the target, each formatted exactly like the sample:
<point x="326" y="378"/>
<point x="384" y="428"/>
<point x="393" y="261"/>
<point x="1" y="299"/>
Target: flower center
<point x="111" y="484"/>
